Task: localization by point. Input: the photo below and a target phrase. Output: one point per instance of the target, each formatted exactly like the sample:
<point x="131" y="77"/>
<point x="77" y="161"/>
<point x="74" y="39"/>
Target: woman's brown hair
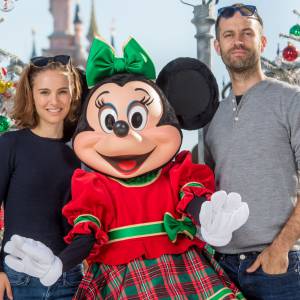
<point x="24" y="112"/>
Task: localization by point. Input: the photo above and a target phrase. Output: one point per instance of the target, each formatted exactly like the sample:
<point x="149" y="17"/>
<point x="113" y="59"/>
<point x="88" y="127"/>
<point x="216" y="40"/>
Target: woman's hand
<point x="5" y="287"/>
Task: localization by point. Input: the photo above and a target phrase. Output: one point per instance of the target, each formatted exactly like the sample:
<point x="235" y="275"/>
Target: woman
<point x="36" y="168"/>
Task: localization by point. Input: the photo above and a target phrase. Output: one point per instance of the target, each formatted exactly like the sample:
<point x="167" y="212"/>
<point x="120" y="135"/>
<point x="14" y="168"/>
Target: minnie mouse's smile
<point x="127" y="163"/>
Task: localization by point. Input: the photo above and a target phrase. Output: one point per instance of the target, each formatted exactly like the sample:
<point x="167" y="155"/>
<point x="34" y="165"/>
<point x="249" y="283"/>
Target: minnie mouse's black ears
<point x="191" y="89"/>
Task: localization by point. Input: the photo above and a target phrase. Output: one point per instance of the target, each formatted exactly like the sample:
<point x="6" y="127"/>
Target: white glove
<point x="221" y="216"/>
<point x="33" y="258"/>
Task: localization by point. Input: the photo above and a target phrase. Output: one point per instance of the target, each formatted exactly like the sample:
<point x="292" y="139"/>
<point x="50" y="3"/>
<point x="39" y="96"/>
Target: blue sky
<point x="163" y="27"/>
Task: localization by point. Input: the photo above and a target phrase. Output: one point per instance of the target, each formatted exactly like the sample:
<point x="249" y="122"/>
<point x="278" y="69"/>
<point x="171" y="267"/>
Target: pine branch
<point x="288" y="36"/>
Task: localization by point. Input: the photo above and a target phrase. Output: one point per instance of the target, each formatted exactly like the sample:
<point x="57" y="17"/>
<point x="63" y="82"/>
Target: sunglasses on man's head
<point x="229" y="11"/>
<point x="42" y="61"/>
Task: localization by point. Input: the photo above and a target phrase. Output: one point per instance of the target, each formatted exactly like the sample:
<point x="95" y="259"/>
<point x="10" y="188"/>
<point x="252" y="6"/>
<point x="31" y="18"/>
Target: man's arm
<point x="274" y="259"/>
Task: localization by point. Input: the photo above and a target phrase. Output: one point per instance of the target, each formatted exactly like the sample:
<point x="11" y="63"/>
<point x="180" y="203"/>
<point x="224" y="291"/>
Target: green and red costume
<point x="143" y="247"/>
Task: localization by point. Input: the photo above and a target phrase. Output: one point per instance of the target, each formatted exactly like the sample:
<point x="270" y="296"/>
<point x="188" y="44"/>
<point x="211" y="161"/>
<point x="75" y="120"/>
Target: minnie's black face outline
<point x="147" y="146"/>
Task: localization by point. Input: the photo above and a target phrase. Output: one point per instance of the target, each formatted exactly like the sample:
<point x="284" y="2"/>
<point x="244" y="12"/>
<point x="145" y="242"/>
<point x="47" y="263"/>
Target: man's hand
<point x="272" y="261"/>
<point x="5" y="287"/>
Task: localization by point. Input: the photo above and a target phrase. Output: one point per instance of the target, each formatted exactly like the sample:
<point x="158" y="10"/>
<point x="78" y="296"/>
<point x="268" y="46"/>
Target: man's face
<point x="240" y="42"/>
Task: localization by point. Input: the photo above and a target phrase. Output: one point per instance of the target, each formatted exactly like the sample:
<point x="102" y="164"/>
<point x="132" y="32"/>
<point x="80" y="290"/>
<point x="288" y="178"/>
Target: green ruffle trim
<point x="140" y="180"/>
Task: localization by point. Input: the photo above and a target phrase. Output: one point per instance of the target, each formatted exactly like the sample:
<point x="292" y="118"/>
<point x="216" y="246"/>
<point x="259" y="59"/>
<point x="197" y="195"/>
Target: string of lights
<point x="7" y="5"/>
<point x="8" y="77"/>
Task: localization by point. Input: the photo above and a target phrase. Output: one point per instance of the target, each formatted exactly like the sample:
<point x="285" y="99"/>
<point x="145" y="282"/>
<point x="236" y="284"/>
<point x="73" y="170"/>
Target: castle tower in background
<point x="33" y="51"/>
<point x="62" y="40"/>
<point x="79" y="56"/>
<point x="93" y="29"/>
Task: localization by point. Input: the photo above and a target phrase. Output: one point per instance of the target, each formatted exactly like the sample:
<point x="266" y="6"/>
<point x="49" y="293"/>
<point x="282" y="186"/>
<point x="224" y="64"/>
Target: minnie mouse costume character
<point x="141" y="200"/>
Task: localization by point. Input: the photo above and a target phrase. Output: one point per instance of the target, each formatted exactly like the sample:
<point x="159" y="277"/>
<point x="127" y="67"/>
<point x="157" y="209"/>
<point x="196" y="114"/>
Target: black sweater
<point x="35" y="179"/>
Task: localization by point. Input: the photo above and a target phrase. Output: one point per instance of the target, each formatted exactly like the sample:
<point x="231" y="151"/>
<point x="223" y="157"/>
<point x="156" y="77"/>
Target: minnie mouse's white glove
<point x="33" y="258"/>
<point x="221" y="216"/>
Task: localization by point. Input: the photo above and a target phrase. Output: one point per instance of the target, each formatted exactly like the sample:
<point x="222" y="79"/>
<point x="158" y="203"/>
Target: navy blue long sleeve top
<point x="35" y="181"/>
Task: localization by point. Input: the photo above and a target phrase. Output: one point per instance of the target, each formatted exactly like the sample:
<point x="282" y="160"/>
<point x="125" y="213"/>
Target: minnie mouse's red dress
<point x="137" y="253"/>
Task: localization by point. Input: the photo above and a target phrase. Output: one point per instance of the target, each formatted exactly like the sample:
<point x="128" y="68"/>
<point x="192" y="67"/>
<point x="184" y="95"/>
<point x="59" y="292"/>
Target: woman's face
<point x="52" y="97"/>
<point x="126" y="141"/>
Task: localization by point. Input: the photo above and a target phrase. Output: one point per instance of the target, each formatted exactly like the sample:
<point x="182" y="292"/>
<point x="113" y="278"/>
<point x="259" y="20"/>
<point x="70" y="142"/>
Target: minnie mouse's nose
<point x="121" y="128"/>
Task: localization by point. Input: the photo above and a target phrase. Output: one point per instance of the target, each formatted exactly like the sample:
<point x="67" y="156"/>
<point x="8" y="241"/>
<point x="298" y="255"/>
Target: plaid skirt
<point x="194" y="274"/>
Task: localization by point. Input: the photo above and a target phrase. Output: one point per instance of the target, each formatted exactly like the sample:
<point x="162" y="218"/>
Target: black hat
<point x="191" y="89"/>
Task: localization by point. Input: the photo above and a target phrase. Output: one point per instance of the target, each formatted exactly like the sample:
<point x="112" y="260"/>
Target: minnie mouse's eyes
<point x="137" y="117"/>
<point x="107" y="118"/>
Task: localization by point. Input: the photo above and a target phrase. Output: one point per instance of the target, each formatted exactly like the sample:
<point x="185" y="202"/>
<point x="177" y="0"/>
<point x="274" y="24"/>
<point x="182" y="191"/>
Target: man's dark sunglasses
<point x="229" y="11"/>
<point x="42" y="61"/>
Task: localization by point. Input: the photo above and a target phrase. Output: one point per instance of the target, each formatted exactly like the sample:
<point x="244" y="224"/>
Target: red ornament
<point x="4" y="71"/>
<point x="290" y="53"/>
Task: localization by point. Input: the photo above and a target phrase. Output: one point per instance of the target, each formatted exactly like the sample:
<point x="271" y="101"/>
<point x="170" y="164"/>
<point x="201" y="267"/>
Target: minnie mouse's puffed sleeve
<point x="195" y="182"/>
<point x="88" y="211"/>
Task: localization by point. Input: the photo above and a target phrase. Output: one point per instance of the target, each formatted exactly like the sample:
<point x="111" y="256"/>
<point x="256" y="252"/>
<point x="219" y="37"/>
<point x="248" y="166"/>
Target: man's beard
<point x="241" y="64"/>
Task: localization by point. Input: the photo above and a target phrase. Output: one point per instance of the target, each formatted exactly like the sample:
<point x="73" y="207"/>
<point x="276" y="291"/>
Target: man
<point x="253" y="145"/>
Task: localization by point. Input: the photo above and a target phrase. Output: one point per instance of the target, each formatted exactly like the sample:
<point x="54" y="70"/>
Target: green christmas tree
<point x="10" y="69"/>
<point x="286" y="65"/>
